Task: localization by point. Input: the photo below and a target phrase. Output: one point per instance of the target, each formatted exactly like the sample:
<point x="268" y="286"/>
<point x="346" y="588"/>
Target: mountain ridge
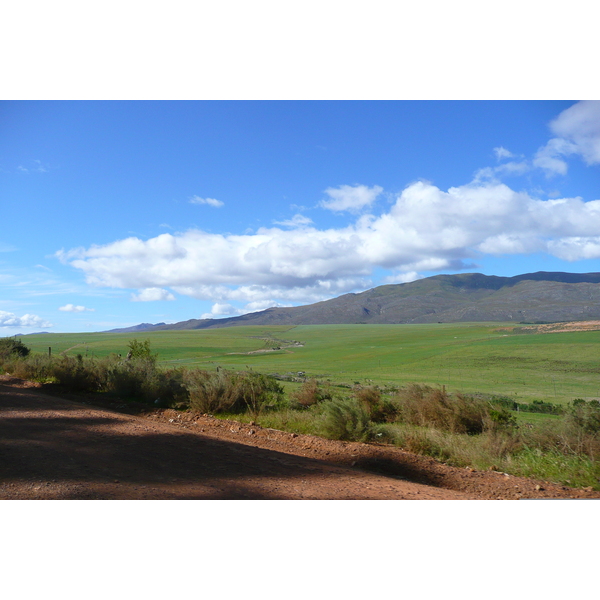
<point x="531" y="297"/>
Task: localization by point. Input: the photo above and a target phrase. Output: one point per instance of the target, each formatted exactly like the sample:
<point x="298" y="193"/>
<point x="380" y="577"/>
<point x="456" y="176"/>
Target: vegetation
<point x="12" y="347"/>
<point x="553" y="437"/>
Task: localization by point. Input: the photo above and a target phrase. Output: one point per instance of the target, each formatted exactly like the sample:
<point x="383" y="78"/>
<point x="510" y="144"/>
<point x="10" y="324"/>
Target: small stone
<point x="294" y="435"/>
<point x="251" y="432"/>
<point x="539" y="488"/>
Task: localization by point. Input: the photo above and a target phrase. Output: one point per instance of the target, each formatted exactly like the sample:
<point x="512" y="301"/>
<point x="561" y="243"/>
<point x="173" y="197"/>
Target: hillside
<point x="468" y="297"/>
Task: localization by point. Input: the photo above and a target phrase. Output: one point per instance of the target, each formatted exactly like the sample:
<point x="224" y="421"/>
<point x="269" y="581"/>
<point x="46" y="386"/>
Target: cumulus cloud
<point x="426" y="229"/>
<point x="350" y="198"/>
<point x="152" y="295"/>
<point x="11" y="320"/>
<point x="73" y="308"/>
<point x="403" y="277"/>
<point x="220" y="309"/>
<point x="578" y="132"/>
<point x="580" y="125"/>
<point x="209" y="201"/>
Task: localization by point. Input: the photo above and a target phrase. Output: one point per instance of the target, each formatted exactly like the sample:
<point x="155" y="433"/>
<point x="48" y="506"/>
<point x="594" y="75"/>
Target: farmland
<point x="492" y="358"/>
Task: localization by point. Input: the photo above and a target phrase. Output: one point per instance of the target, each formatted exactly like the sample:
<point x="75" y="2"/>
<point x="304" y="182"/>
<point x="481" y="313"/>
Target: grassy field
<point x="471" y="357"/>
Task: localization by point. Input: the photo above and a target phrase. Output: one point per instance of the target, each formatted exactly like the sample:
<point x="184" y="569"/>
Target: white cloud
<point x="38" y="167"/>
<point x="403" y="277"/>
<point x="491" y="174"/>
<point x="426" y="229"/>
<point x="350" y="198"/>
<point x="153" y="294"/>
<point x="11" y="320"/>
<point x="296" y="221"/>
<point x="502" y="152"/>
<point x="209" y="201"/>
<point x="580" y="124"/>
<point x="578" y="131"/>
<point x="73" y="308"/>
<point x="220" y="309"/>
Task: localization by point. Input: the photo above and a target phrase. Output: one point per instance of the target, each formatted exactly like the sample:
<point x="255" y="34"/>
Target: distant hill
<point x="140" y="327"/>
<point x="529" y="298"/>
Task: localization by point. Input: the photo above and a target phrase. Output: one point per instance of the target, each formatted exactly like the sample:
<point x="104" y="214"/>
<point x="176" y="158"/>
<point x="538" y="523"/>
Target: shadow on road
<point x="101" y="456"/>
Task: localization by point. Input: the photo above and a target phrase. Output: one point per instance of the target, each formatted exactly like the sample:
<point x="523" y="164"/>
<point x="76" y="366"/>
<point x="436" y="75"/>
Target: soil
<point x="60" y="446"/>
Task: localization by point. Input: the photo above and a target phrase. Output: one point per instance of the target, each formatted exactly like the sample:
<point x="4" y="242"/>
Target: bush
<point x="75" y="373"/>
<point x="426" y="406"/>
<point x="223" y="391"/>
<point x="36" y="367"/>
<point x="12" y="347"/>
<point x="310" y="393"/>
<point x="345" y="419"/>
<point x="258" y="392"/>
<point x="141" y="350"/>
<point x="369" y="397"/>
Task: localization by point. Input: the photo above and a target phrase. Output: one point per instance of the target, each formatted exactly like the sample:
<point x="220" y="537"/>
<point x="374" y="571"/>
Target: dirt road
<point x="57" y="448"/>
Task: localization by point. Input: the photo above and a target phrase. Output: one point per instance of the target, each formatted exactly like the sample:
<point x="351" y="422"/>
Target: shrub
<point x="258" y="391"/>
<point x="140" y="350"/>
<point x="139" y="378"/>
<point x="11" y="348"/>
<point x="75" y="373"/>
<point x="36" y="367"/>
<point x="310" y="393"/>
<point x="223" y="391"/>
<point x="345" y="419"/>
<point x="501" y="419"/>
<point x="369" y="397"/>
<point x="210" y="392"/>
<point x="426" y="406"/>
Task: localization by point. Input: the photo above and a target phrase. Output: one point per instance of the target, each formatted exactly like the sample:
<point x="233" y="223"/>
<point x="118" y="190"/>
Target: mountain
<point x="466" y="297"/>
<point x="140" y="327"/>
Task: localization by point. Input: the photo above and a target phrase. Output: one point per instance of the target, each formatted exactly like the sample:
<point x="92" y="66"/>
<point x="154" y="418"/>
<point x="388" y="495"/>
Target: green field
<point x="470" y="357"/>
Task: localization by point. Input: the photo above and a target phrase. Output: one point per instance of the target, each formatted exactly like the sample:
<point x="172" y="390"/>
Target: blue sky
<point x="117" y="213"/>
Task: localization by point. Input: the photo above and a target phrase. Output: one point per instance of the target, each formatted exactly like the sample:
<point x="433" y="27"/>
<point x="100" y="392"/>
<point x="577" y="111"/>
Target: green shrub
<point x="75" y="373"/>
<point x="140" y="350"/>
<point x="211" y="392"/>
<point x="35" y="367"/>
<point x="345" y="419"/>
<point x="139" y="379"/>
<point x="12" y="348"/>
<point x="224" y="391"/>
<point x="258" y="392"/>
<point x="501" y="419"/>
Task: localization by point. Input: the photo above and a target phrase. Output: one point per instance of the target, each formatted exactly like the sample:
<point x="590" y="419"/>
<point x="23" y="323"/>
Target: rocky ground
<point x="67" y="447"/>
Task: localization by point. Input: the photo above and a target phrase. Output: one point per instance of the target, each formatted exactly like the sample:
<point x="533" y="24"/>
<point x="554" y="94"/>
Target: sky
<point x="116" y="213"/>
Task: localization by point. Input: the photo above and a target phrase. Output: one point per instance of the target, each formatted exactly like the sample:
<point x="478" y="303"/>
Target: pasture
<point x="491" y="358"/>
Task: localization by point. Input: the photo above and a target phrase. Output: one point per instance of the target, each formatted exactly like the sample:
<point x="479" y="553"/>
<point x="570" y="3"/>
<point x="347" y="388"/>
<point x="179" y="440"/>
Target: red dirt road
<point x="55" y="448"/>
